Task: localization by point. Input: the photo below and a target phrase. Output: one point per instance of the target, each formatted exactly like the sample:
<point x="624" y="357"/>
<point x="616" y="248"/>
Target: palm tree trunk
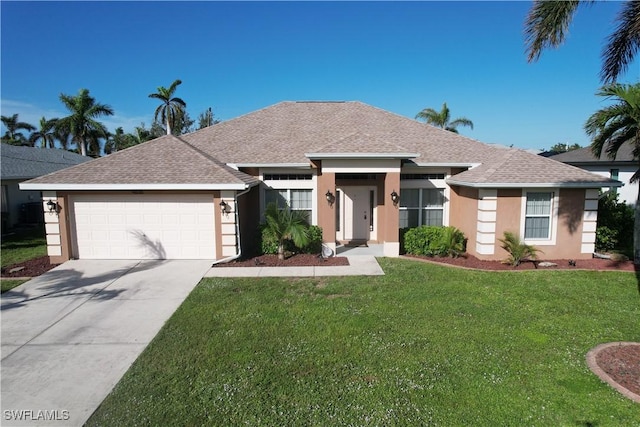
<point x="168" y="124"/>
<point x="83" y="148"/>
<point x="281" y="251"/>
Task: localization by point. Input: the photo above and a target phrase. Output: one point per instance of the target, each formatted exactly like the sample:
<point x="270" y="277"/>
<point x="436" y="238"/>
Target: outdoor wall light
<point x="224" y="207"/>
<point x="395" y="197"/>
<point x="330" y="197"/>
<point x="52" y="206"/>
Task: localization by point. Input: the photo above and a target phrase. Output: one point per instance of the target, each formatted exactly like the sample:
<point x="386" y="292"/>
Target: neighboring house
<point x="20" y="164"/>
<point x="359" y="172"/>
<point x="621" y="169"/>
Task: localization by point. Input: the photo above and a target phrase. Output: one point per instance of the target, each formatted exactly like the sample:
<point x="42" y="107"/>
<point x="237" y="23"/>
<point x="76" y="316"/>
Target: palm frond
<point x="623" y="43"/>
<point x="547" y="24"/>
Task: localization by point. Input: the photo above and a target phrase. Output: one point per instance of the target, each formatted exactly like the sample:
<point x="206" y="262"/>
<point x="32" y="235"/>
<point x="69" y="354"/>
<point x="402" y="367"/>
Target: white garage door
<point x="144" y="226"/>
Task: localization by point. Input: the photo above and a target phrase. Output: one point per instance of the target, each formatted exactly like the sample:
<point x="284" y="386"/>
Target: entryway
<point x="356" y="221"/>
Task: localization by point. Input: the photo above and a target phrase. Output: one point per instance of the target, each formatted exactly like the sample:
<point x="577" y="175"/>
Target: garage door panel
<point x="144" y="226"/>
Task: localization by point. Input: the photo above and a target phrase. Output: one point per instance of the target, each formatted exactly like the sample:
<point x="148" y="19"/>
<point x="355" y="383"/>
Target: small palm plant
<point x="518" y="250"/>
<point x="285" y="224"/>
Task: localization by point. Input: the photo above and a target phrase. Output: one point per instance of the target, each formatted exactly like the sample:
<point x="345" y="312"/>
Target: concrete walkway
<point x="69" y="335"/>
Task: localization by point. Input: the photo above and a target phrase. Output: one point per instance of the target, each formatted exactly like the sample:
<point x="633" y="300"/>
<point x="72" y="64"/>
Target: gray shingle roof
<point x="29" y="162"/>
<point x="165" y="160"/>
<point x="584" y="155"/>
<point x="287" y="132"/>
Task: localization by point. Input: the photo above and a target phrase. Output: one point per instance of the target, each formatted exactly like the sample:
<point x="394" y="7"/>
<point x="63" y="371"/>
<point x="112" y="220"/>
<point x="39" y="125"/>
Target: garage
<point x="143" y="226"/>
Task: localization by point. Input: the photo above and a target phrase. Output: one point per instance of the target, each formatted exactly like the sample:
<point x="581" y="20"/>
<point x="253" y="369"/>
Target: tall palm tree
<point x="46" y="134"/>
<point x="442" y="119"/>
<point x="81" y="123"/>
<point x="172" y="108"/>
<point x="614" y="126"/>
<point x="548" y="22"/>
<point x="13" y="135"/>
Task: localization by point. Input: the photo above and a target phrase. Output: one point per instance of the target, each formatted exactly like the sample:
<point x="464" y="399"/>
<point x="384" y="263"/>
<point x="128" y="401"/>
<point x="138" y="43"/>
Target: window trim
<point x="553" y="216"/>
<point x="421" y="208"/>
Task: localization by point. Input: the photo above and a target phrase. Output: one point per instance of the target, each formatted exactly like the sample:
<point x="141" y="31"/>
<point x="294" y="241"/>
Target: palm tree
<point x="613" y="126"/>
<point x="285" y="224"/>
<point x="172" y="108"/>
<point x="46" y="133"/>
<point x="548" y="22"/>
<point x="81" y="123"/>
<point x="13" y="135"/>
<point x="441" y="119"/>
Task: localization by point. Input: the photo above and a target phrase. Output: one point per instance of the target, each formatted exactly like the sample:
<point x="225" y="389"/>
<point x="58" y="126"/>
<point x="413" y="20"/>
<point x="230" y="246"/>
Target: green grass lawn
<point x="422" y="345"/>
<point x="23" y="246"/>
<point x="8" y="284"/>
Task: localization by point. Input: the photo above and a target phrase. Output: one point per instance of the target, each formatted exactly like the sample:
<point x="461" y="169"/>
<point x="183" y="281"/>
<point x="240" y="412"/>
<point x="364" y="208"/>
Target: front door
<point x="357" y="212"/>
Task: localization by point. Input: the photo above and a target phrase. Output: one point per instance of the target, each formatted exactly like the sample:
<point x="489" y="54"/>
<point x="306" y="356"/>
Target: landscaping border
<point x="596" y="369"/>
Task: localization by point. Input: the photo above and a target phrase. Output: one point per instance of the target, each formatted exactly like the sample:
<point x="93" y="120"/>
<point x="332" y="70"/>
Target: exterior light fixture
<point x="395" y="197"/>
<point x="52" y="206"/>
<point x="224" y="208"/>
<point x="330" y="197"/>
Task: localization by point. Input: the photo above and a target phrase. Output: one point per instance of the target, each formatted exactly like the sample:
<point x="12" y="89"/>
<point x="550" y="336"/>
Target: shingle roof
<point x="286" y="133"/>
<point x="162" y="161"/>
<point x="513" y="167"/>
<point x="29" y="162"/>
<point x="584" y="155"/>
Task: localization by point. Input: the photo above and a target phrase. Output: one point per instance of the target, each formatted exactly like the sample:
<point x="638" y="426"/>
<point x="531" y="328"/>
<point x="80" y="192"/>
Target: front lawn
<point x="422" y="345"/>
<point x="23" y="245"/>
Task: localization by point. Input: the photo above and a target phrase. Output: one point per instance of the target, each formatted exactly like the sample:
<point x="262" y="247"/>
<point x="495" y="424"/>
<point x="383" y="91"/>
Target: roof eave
<point x="133" y="187"/>
<point x="320" y="156"/>
<point x="578" y="184"/>
<point x="236" y="166"/>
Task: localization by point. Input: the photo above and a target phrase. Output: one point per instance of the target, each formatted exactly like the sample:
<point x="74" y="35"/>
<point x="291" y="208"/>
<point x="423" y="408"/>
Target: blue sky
<point x="237" y="57"/>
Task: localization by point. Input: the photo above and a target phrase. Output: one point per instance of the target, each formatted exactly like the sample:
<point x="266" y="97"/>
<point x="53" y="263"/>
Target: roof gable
<point x="166" y="161"/>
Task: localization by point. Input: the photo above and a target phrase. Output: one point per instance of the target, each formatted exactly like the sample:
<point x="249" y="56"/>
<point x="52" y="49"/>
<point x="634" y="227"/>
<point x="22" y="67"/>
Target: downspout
<point x="237" y="221"/>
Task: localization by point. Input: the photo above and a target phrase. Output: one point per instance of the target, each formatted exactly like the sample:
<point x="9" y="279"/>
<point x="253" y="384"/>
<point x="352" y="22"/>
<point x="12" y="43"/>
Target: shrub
<point x="434" y="241"/>
<point x="615" y="220"/>
<point x="606" y="239"/>
<point x="269" y="244"/>
<point x="518" y="250"/>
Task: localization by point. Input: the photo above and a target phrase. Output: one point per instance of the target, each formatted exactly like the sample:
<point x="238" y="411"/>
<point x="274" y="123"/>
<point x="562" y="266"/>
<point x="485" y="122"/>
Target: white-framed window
<point x="421" y="206"/>
<point x="540" y="212"/>
<point x="296" y="199"/>
<point x="289" y="187"/>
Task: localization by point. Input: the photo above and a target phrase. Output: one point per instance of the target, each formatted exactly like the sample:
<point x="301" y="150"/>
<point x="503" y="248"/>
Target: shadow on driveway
<point x="65" y="281"/>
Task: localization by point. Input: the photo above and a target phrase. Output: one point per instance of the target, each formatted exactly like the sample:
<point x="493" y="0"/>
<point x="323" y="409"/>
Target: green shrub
<point x="268" y="244"/>
<point x="518" y="250"/>
<point x="606" y="239"/>
<point x="615" y="222"/>
<point x="434" y="241"/>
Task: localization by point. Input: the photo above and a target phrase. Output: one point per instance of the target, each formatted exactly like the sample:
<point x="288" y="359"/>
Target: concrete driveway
<point x="69" y="335"/>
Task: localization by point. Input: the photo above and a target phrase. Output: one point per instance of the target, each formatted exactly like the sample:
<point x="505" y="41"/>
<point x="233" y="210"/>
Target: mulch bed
<point x="32" y="268"/>
<point x="469" y="261"/>
<point x="622" y="364"/>
<point x="297" y="260"/>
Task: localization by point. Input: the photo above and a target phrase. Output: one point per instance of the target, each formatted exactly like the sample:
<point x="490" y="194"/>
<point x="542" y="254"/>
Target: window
<point x="615" y="174"/>
<point x="537" y="222"/>
<point x="287" y="177"/>
<point x="421" y="207"/>
<point x="421" y="176"/>
<point x="297" y="200"/>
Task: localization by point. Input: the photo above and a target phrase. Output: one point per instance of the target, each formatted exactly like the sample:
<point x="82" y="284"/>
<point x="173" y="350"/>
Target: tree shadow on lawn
<point x="68" y="282"/>
<point x="637" y="269"/>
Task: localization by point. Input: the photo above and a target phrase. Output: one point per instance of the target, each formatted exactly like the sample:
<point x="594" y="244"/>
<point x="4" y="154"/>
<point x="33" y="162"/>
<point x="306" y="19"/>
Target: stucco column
<point x="390" y="218"/>
<point x="326" y="181"/>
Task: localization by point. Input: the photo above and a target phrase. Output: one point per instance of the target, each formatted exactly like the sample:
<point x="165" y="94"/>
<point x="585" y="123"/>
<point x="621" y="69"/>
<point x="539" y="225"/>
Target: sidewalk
<point x="359" y="265"/>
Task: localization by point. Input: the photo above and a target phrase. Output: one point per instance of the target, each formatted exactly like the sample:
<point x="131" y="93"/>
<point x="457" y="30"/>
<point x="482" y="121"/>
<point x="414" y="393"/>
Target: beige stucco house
<point x="361" y="173"/>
